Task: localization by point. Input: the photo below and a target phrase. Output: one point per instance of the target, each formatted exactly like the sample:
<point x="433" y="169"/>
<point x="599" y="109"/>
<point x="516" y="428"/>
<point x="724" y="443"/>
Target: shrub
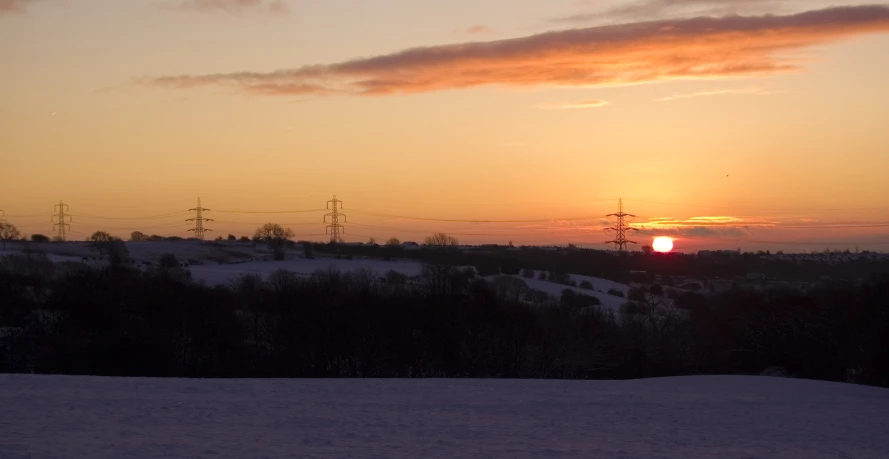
<point x="636" y="294"/>
<point x="395" y="277"/>
<point x="510" y="267"/>
<point x="578" y="300"/>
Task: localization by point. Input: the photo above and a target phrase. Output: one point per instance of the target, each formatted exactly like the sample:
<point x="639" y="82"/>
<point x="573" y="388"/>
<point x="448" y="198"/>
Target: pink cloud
<point x="12" y="6"/>
<point x="232" y="6"/>
<point x="631" y="53"/>
<point x="479" y="29"/>
<point x="592" y="103"/>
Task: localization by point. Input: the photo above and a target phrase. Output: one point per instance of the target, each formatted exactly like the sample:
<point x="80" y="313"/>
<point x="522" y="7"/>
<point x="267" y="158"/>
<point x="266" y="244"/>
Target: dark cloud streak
<point x="655" y="9"/>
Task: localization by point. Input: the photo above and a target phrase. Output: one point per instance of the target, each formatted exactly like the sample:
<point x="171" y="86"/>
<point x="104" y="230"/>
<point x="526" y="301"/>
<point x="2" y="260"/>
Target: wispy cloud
<point x="707" y="221"/>
<point x="706" y="232"/>
<point x="658" y="9"/>
<point x="479" y="29"/>
<point x="632" y="53"/>
<point x="13" y="6"/>
<point x="592" y="103"/>
<point x="231" y="6"/>
<point x="754" y="91"/>
<point x="703" y="226"/>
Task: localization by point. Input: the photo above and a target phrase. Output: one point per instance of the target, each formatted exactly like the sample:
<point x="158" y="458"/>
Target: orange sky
<point x="753" y="131"/>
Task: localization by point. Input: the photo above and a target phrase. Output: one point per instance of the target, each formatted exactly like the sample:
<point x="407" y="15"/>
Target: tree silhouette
<point x="8" y="232"/>
<point x="275" y="236"/>
<point x="109" y="246"/>
<point x="101" y="242"/>
<point x="440" y="240"/>
<point x="138" y="236"/>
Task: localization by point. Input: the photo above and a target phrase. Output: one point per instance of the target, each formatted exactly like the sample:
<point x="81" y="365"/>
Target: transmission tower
<point x="622" y="228"/>
<point x="199" y="220"/>
<point x="334" y="228"/>
<point x="63" y="219"/>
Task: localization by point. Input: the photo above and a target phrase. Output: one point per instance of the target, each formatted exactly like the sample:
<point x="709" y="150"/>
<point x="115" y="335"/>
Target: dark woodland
<point x="71" y="318"/>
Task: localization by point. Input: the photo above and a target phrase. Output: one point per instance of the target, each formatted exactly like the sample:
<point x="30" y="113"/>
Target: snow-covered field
<point x="223" y="273"/>
<point x="600" y="289"/>
<point x="717" y="417"/>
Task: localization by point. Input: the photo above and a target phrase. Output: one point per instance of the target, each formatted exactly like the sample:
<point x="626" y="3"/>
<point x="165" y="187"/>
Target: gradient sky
<point x="763" y="130"/>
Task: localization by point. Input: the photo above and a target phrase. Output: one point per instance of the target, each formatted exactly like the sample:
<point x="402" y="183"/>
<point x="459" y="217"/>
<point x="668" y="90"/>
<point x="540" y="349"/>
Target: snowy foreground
<point x="689" y="417"/>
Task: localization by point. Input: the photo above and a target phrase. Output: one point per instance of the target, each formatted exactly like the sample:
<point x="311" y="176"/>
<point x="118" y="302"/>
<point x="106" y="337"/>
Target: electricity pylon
<point x="199" y="220"/>
<point x="62" y="224"/>
<point x="622" y="228"/>
<point x="334" y="228"/>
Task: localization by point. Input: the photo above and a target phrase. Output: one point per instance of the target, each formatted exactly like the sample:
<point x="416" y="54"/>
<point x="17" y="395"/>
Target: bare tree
<point x="138" y="236"/>
<point x="8" y="232"/>
<point x="393" y="242"/>
<point x="438" y="270"/>
<point x="440" y="240"/>
<point x="275" y="236"/>
<point x="109" y="246"/>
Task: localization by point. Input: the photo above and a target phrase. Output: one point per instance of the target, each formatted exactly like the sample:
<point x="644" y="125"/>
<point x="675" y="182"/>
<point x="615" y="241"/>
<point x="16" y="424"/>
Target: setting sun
<point x="662" y="244"/>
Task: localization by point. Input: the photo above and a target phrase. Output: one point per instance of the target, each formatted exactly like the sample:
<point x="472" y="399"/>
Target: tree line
<point x="72" y="318"/>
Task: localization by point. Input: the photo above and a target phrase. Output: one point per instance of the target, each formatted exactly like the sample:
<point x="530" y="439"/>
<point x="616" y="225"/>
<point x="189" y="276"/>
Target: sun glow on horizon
<point x="662" y="244"/>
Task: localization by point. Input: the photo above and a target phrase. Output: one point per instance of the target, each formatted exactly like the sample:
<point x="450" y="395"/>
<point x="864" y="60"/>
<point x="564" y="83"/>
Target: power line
<point x="400" y="230"/>
<point x="199" y="220"/>
<point x="62" y="225"/>
<point x="621" y="229"/>
<point x="260" y="223"/>
<point x="525" y="205"/>
<point x="41" y="214"/>
<point x="150" y="227"/>
<point x="150" y="217"/>
<point x="839" y="226"/>
<point x="405" y="217"/>
<point x="758" y="209"/>
<point x="269" y="212"/>
<point x="334" y="228"/>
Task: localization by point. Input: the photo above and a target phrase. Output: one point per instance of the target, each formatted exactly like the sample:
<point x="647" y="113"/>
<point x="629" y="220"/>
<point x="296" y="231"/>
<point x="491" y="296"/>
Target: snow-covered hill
<point x="688" y="417"/>
<point x="221" y="262"/>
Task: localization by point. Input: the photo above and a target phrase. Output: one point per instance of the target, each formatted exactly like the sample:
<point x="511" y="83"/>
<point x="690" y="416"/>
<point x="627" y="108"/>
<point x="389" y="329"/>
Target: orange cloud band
<point x="629" y="53"/>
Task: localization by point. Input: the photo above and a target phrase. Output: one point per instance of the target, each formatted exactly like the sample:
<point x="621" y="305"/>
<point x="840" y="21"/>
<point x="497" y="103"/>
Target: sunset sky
<point x="736" y="123"/>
